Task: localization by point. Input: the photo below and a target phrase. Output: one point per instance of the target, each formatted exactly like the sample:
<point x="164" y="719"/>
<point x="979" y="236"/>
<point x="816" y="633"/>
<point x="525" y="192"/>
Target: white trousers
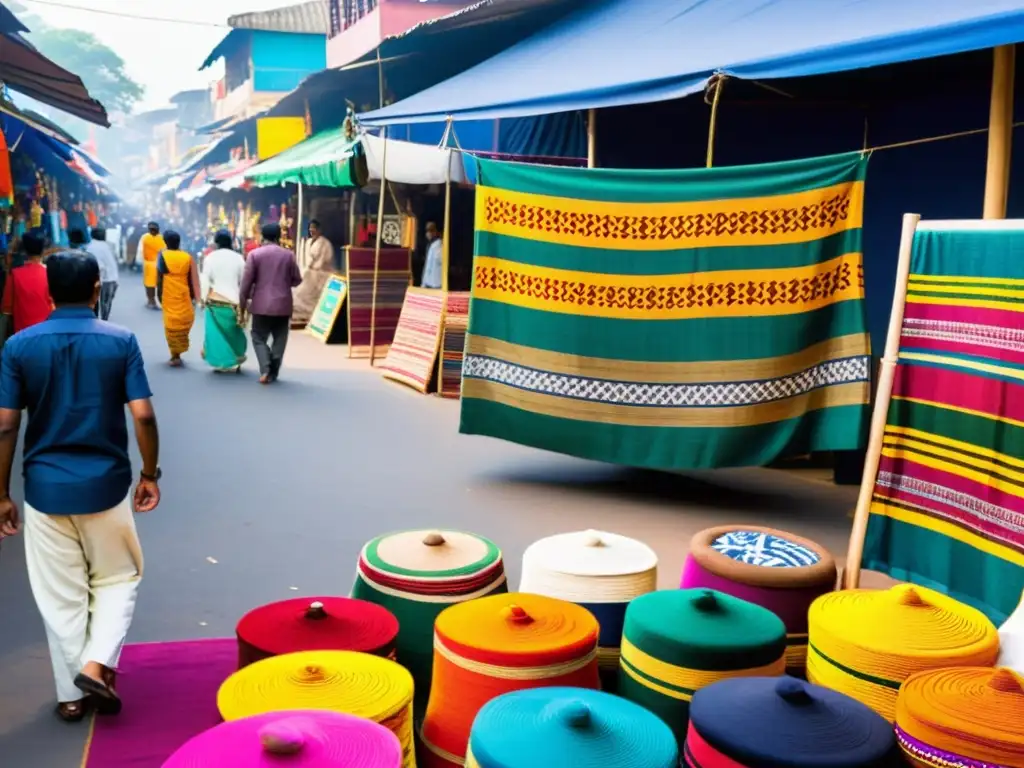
<point x="85" y="572"/>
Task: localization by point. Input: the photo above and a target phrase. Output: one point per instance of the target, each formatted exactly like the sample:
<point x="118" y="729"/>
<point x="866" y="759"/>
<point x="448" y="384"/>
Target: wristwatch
<point x="152" y="478"/>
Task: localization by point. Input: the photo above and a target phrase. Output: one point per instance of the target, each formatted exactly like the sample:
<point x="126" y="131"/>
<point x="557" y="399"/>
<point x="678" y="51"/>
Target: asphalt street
<point x="269" y="493"/>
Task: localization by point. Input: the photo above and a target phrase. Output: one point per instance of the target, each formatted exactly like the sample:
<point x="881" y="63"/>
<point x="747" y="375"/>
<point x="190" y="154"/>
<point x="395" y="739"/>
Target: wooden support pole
<point x="376" y="252"/>
<point x="300" y="238"/>
<point x="883" y="395"/>
<point x="591" y="138"/>
<point x="718" y="84"/>
<point x="1000" y="133"/>
<point x="445" y="235"/>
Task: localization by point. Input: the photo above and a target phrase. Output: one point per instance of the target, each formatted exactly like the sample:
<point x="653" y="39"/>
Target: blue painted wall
<point x="282" y="60"/>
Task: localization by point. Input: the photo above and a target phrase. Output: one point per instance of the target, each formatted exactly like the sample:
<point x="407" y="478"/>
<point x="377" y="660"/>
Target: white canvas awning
<point x="410" y="163"/>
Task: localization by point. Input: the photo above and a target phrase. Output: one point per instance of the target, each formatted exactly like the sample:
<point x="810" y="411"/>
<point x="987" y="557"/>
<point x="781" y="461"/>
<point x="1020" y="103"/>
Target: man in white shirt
<point x="432" y="266"/>
<point x="100" y="250"/>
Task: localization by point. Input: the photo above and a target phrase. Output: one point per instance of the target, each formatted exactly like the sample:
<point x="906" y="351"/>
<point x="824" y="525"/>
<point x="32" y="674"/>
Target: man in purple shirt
<point x="270" y="274"/>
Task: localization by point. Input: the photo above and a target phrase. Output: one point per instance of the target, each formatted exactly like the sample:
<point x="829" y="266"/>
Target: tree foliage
<point x="100" y="67"/>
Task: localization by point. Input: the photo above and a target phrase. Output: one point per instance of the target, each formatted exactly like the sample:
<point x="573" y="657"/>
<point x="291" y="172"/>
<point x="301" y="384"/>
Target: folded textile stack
<point x="600" y="571"/>
<point x="496" y="645"/>
<point x="416" y="575"/>
<point x="340" y="681"/>
<point x="677" y="641"/>
<point x="315" y="624"/>
<point x="774" y="569"/>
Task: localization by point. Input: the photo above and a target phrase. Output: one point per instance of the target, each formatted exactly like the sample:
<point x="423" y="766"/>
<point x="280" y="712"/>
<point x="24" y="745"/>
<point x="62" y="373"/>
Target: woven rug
<point x="453" y="343"/>
<point x="394" y="276"/>
<point x="682" y="319"/>
<point x="170" y="695"/>
<point x="948" y="504"/>
<point x="413" y="355"/>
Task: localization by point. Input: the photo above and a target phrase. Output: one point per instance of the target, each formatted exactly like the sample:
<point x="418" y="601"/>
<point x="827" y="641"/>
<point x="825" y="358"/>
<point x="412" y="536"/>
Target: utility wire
<point x="119" y="14"/>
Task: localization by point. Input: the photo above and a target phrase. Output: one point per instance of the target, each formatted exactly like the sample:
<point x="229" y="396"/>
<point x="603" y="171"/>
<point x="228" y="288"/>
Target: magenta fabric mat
<point x="170" y="695"/>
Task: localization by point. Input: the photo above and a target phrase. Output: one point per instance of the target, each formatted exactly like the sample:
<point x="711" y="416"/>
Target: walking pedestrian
<point x="104" y="255"/>
<point x="74" y="375"/>
<point x="26" y="292"/>
<point x="221" y="279"/>
<point x="270" y="274"/>
<point x="150" y="246"/>
<point x="178" y="289"/>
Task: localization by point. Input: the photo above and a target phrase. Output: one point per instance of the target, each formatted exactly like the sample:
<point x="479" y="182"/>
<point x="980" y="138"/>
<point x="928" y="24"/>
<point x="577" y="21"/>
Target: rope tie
<point x="295" y="739"/>
<point x="865" y="643"/>
<point x="496" y="645"/>
<point x="775" y="569"/>
<point x="964" y="715"/>
<point x="542" y="727"/>
<point x="599" y="571"/>
<point x="338" y="681"/>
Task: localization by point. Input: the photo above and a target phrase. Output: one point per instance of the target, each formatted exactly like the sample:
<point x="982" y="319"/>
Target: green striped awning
<point x="322" y="160"/>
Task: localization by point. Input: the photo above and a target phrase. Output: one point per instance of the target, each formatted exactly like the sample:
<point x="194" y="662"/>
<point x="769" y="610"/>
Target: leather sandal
<point x="103" y="695"/>
<point x="71" y="711"/>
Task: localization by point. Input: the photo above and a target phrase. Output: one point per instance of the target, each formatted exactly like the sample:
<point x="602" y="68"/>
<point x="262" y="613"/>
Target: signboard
<point x="276" y="134"/>
<point x="325" y="315"/>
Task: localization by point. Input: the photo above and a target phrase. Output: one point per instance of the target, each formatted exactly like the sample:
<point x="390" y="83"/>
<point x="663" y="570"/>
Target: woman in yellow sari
<point x="178" y="287"/>
<point x="150" y="247"/>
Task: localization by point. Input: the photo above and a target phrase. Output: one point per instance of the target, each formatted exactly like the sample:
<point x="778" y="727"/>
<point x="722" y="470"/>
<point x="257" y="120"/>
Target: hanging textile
<point x="6" y="180"/>
<point x="948" y="504"/>
<point x="670" y="319"/>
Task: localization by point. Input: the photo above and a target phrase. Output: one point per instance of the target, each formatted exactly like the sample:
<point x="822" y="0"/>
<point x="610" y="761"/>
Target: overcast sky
<point x="163" y="57"/>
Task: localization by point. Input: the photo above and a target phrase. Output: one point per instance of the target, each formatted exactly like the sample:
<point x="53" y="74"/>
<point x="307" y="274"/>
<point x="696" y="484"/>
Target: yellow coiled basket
<point x="865" y="643"/>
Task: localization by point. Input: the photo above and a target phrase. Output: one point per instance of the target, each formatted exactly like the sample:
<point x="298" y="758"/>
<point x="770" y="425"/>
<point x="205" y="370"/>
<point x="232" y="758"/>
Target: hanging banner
<point x="276" y="134"/>
<point x="6" y="180"/>
<point x="679" y="319"/>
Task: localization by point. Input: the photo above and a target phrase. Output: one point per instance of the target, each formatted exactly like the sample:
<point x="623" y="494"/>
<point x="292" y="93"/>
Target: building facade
<point x="359" y="26"/>
<point x="266" y="55"/>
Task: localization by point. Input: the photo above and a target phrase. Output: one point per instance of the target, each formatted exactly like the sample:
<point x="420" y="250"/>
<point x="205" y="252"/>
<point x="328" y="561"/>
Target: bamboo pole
<point x="719" y="83"/>
<point x="1000" y="133"/>
<point x="883" y="395"/>
<point x="376" y="252"/>
<point x="591" y="138"/>
<point x="445" y="239"/>
<point x="352" y="218"/>
<point x="299" y="238"/>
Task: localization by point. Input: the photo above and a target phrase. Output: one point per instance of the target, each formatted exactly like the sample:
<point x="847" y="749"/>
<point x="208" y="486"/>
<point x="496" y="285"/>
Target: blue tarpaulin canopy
<point x="618" y="52"/>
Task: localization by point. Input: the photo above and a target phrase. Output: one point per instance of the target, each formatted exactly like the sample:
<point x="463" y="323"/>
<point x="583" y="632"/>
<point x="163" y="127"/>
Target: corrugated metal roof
<point x="480" y="12"/>
<point x="305" y="18"/>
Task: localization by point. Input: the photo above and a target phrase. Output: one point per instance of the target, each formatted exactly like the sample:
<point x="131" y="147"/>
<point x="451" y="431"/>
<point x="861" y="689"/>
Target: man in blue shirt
<point x="74" y="374"/>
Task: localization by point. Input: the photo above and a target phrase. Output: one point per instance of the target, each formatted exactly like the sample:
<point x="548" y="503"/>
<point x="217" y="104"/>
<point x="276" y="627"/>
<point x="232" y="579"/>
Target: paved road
<point x="282" y="485"/>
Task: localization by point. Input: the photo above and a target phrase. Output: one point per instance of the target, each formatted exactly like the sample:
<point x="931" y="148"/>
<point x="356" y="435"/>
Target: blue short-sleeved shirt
<point x="74" y="374"/>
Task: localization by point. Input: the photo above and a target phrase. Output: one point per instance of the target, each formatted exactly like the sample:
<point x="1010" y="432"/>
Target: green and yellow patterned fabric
<point x="670" y="319"/>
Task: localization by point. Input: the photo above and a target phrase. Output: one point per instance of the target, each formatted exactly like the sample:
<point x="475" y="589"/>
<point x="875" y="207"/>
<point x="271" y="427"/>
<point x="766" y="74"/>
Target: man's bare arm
<point x="146" y="434"/>
<point x="10" y="426"/>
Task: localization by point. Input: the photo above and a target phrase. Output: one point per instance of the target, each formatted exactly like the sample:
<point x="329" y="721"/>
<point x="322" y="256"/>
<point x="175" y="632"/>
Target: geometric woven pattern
<point x="764" y="550"/>
<point x="823" y="214"/>
<point x="947" y="507"/>
<point x="696" y="291"/>
<point x="829" y="373"/>
<point x="453" y="343"/>
<point x="672" y="319"/>
<point x="375" y="300"/>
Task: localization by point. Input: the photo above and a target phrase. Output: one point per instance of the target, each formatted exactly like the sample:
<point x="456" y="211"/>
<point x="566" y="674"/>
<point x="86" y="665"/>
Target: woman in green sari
<point x="224" y="343"/>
